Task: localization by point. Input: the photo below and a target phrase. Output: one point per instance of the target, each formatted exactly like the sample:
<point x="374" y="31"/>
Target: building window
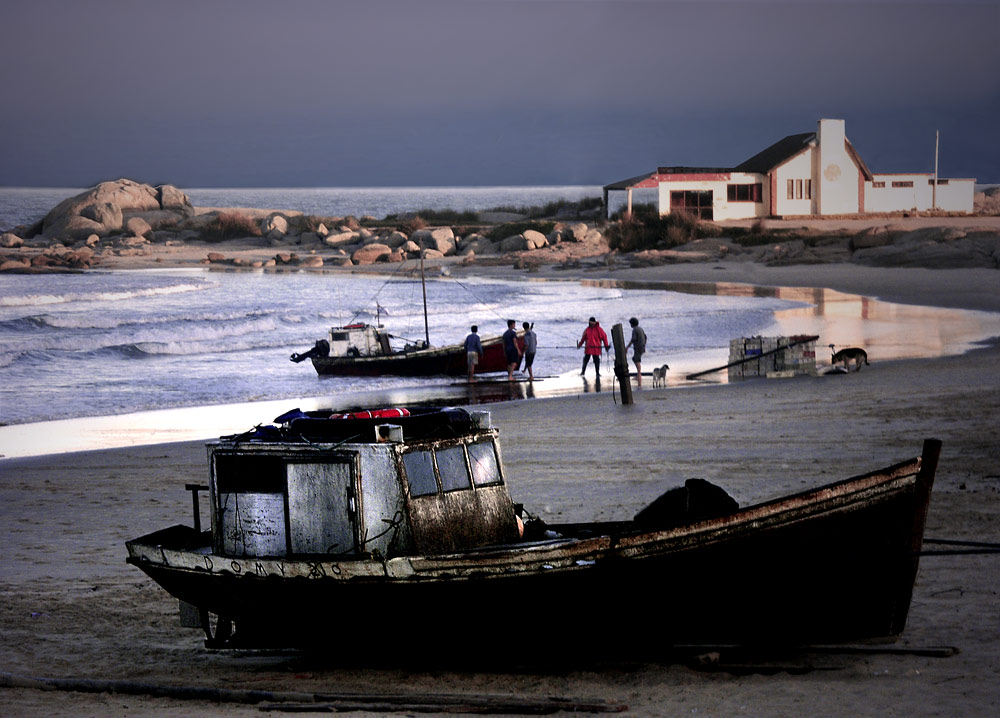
<point x="878" y="185"/>
<point x="800" y="189"/>
<point x="902" y="184"/>
<point x="696" y="202"/>
<point x="744" y="192"/>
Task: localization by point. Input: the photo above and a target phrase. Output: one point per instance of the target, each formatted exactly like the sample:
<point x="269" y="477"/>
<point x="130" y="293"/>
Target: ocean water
<point x="25" y="205"/>
<point x="105" y="343"/>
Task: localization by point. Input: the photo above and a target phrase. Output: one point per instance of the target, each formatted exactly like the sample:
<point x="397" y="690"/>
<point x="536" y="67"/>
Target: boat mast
<point x="423" y="286"/>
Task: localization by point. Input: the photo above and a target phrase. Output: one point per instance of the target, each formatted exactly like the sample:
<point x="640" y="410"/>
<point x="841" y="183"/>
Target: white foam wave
<point x="33" y="300"/>
<point x="220" y="334"/>
<point x="187" y="348"/>
<point x="88" y="320"/>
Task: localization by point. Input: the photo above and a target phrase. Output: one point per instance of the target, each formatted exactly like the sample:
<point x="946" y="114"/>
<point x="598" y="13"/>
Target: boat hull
<point x="832" y="565"/>
<point x="450" y="361"/>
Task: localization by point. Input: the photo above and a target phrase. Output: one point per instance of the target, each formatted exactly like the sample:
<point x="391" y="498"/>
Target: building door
<point x="696" y="202"/>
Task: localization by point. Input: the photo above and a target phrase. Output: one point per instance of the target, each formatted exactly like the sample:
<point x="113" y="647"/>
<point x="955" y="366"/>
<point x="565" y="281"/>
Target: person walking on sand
<point x="593" y="337"/>
<point x="530" y="345"/>
<point x="473" y="351"/>
<point x="512" y="352"/>
<point x="638" y="344"/>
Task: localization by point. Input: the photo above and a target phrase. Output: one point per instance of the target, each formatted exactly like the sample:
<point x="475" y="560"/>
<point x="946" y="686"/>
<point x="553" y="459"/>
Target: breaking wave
<point x="36" y="300"/>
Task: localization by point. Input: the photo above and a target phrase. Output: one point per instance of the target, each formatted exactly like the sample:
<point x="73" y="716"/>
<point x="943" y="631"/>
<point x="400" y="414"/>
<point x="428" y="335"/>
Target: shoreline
<point x="966" y="289"/>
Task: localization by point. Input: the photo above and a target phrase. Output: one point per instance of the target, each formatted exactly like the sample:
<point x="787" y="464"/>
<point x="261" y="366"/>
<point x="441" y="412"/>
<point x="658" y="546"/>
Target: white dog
<point x="660" y="375"/>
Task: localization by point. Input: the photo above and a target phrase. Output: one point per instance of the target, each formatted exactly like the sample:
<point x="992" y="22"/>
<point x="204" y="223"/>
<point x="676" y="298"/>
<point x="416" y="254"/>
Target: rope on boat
<point x="374" y="297"/>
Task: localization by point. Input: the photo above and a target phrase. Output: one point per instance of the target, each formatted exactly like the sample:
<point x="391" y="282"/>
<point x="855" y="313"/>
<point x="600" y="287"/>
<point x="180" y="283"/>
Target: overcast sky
<point x="217" y="93"/>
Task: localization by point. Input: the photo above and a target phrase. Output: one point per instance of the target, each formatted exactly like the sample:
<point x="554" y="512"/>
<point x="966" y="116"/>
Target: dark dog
<point x="849" y="354"/>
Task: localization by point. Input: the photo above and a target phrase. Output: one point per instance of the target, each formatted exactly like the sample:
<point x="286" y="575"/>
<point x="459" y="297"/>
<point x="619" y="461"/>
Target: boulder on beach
<point x="370" y="253"/>
<point x="9" y="240"/>
<point x="276" y="223"/>
<point x="441" y="239"/>
<point x="534" y="239"/>
<point x="515" y="243"/>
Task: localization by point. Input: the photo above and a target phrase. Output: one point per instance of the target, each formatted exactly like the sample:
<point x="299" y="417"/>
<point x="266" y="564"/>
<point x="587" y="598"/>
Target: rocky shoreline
<point x="128" y="225"/>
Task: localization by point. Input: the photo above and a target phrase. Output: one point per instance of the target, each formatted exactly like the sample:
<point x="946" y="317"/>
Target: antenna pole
<point x="423" y="286"/>
<point x="937" y="134"/>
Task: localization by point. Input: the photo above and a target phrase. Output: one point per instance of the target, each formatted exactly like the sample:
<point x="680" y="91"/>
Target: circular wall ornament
<point x="832" y="172"/>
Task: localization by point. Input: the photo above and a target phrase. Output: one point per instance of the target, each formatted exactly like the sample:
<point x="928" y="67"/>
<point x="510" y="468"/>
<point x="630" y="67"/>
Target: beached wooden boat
<point x="371" y="529"/>
<point x="366" y="350"/>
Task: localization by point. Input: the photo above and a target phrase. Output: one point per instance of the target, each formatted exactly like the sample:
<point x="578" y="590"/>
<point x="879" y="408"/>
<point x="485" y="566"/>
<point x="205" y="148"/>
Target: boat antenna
<point x="423" y="286"/>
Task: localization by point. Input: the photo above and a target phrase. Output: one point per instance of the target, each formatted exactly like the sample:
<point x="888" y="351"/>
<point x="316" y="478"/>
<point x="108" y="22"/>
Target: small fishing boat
<point x="366" y="350"/>
<point x="363" y="529"/>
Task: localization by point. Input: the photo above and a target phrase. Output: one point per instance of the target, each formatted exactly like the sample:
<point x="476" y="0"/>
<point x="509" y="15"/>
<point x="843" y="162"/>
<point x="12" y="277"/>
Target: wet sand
<point x="71" y="607"/>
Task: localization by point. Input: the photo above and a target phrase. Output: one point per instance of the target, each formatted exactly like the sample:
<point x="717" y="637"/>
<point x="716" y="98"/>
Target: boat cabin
<point x="358" y="340"/>
<point x="361" y="487"/>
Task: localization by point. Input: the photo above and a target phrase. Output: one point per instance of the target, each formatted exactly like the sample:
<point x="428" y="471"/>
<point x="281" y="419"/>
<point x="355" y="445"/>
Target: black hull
<point x="807" y="569"/>
<point x="443" y="361"/>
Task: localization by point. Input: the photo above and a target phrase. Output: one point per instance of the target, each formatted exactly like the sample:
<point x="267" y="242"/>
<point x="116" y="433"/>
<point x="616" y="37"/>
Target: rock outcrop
<point x="104" y="209"/>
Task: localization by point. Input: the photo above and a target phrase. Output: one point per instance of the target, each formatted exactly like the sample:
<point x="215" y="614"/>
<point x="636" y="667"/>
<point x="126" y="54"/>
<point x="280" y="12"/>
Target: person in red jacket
<point x="593" y="337"/>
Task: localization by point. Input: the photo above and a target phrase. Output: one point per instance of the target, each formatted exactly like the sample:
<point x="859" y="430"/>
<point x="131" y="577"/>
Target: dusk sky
<point x="231" y="93"/>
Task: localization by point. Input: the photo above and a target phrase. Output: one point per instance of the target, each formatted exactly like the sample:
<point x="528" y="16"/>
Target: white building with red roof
<point x="813" y="174"/>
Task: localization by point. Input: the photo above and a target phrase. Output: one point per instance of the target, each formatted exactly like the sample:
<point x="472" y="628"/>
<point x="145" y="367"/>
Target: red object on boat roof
<point x="394" y="413"/>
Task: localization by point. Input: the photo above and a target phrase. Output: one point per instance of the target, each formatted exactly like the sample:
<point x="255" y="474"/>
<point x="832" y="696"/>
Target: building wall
<point x="837" y="176"/>
<point x="722" y="207"/>
<point x="956" y="196"/>
<point x="902" y="192"/>
<point x="798" y="171"/>
<point x="726" y="209"/>
<point x="898" y="192"/>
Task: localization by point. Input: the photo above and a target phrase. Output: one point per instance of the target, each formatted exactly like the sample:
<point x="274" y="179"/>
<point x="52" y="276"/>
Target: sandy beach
<point x="71" y="607"/>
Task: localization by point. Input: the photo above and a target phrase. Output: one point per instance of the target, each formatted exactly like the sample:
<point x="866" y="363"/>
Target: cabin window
<point x="420" y="473"/>
<point x="452" y="467"/>
<point x="339" y="336"/>
<point x="878" y="185"/>
<point x="252" y="474"/>
<point x="485" y="469"/>
<point x="940" y="181"/>
<point x="902" y="184"/>
<point x="744" y="192"/>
